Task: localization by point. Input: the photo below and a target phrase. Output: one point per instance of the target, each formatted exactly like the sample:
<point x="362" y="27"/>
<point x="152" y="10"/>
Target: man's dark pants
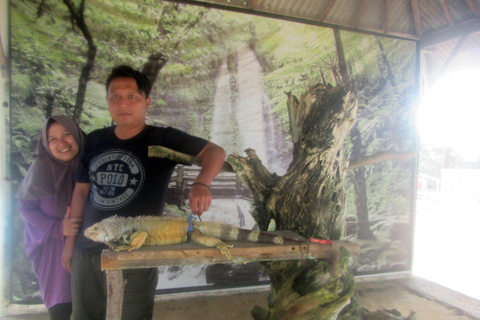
<point x="89" y="293"/>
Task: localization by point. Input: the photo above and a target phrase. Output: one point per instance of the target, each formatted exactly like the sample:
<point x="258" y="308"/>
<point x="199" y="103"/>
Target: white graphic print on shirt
<point x="116" y="178"/>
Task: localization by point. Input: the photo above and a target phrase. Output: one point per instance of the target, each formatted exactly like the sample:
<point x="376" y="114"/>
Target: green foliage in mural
<point x="48" y="54"/>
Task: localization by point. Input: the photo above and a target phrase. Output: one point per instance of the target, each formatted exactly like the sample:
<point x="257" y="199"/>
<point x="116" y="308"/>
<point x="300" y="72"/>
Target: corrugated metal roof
<point x="448" y="31"/>
<point x="409" y="19"/>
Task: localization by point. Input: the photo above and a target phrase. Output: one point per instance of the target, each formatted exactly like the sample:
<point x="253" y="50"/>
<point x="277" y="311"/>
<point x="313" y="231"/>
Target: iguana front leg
<point x="137" y="239"/>
<point x="113" y="245"/>
<point x="199" y="237"/>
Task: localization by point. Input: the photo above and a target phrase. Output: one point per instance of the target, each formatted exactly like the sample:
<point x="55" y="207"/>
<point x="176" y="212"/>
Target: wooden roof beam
<point x="386" y="16"/>
<point x="447" y="13"/>
<point x="327" y="10"/>
<point x="454" y="32"/>
<point x="474" y="7"/>
<point x="453" y="54"/>
<point x="417" y="18"/>
<point x="360" y="14"/>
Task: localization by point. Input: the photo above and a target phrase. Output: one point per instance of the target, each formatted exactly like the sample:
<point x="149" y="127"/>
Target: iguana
<point x="132" y="233"/>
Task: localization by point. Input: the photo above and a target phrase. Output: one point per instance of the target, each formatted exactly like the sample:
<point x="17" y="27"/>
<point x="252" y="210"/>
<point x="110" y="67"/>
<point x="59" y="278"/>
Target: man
<point x="116" y="177"/>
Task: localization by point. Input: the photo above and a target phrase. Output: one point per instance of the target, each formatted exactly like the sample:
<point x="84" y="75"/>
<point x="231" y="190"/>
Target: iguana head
<point x="97" y="232"/>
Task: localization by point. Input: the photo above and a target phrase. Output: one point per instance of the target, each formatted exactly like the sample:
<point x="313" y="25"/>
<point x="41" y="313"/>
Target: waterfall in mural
<point x="246" y="123"/>
<point x="250" y="109"/>
<point x="241" y="120"/>
<point x="224" y="123"/>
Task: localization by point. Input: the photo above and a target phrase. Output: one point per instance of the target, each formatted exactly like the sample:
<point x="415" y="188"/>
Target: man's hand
<point x="200" y="198"/>
<point x="71" y="225"/>
<point x="212" y="158"/>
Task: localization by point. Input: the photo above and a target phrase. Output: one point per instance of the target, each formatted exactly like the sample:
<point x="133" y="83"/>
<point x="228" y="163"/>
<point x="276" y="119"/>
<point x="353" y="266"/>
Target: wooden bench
<point x="191" y="253"/>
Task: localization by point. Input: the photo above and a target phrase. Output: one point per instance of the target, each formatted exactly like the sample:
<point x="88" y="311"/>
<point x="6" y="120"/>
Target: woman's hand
<point x="68" y="253"/>
<point x="71" y="226"/>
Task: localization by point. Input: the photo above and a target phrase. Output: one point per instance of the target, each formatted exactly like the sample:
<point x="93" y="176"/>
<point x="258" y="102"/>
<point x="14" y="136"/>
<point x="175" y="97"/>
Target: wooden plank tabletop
<point x="191" y="253"/>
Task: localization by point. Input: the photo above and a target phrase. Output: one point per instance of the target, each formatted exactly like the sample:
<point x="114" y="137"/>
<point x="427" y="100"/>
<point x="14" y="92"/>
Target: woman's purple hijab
<point x="48" y="176"/>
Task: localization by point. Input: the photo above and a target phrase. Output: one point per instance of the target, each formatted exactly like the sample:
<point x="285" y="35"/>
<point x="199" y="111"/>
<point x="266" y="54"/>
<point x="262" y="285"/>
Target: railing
<point x="426" y="183"/>
<point x="225" y="185"/>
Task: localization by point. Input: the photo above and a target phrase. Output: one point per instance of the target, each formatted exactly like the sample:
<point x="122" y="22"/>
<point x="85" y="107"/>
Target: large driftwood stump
<point x="310" y="201"/>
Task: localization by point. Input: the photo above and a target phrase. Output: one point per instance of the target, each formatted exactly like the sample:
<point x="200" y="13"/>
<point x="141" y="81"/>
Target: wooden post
<point x="115" y="289"/>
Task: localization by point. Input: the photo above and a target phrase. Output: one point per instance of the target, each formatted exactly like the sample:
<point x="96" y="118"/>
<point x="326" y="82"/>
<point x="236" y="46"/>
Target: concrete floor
<point x="407" y="294"/>
<point x="429" y="301"/>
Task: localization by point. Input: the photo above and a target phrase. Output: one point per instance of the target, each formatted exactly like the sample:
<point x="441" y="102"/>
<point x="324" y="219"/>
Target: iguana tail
<point x="225" y="231"/>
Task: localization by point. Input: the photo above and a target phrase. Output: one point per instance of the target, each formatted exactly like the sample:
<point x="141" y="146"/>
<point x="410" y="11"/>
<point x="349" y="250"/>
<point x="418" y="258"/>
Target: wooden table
<point x="191" y="253"/>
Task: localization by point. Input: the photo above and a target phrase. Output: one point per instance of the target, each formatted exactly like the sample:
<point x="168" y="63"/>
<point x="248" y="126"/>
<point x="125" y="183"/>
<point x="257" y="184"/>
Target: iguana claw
<point x="224" y="250"/>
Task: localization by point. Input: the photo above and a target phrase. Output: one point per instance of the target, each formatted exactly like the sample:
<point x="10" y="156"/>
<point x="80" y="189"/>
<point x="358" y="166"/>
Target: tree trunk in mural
<point x="152" y="68"/>
<point x="360" y="187"/>
<point x="342" y="62"/>
<point x="386" y="64"/>
<point x="78" y="19"/>
<point x="308" y="200"/>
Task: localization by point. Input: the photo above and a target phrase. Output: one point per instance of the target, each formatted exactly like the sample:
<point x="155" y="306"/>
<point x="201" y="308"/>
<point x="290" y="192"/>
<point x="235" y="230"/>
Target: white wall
<point x="4" y="151"/>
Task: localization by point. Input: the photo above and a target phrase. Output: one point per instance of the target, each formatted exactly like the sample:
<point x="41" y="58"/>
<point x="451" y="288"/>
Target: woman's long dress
<point x="44" y="243"/>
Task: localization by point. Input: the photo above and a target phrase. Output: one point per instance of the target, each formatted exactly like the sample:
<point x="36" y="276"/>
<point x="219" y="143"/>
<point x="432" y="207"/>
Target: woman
<point x="43" y="199"/>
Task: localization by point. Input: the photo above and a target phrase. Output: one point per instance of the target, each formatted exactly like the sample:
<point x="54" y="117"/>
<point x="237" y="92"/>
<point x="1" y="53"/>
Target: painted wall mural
<point x="225" y="78"/>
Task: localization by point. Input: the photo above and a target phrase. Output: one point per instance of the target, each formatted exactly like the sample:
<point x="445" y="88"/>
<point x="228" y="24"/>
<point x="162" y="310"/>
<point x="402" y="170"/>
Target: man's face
<point x="127" y="105"/>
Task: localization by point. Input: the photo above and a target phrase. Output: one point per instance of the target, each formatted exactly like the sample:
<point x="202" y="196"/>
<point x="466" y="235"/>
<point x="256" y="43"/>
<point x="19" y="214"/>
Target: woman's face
<point x="62" y="144"/>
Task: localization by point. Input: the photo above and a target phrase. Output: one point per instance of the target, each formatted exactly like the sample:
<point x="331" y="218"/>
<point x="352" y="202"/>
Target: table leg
<point x="115" y="288"/>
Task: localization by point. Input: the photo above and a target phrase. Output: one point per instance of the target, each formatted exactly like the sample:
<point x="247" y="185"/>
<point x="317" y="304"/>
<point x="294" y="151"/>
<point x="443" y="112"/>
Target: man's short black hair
<point x="128" y="72"/>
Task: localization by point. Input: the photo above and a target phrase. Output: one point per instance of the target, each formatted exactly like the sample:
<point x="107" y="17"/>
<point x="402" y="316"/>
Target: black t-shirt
<point x="124" y="181"/>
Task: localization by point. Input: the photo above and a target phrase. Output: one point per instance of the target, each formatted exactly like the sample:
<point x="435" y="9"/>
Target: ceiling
<point x="425" y="21"/>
